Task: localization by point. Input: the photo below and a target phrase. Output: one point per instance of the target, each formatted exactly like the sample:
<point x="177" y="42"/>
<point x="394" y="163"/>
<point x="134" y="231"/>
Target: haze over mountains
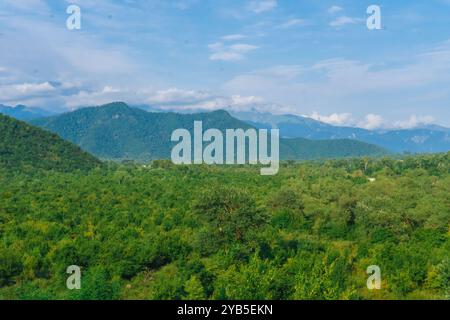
<point x="25" y="113"/>
<point x="117" y="131"/>
<point x="422" y="139"/>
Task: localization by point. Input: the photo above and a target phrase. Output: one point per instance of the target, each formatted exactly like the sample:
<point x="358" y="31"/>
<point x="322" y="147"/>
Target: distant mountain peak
<point x="22" y="112"/>
<point x="115" y="104"/>
<point x="115" y="107"/>
<point x="220" y="111"/>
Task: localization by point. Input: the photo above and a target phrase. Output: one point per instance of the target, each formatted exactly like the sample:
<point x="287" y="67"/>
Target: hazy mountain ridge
<point x="25" y="113"/>
<point x="117" y="131"/>
<point x="428" y="138"/>
<point x="423" y="139"/>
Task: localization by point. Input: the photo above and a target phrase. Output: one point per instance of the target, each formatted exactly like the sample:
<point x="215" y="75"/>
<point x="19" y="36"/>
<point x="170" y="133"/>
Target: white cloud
<point x="36" y="94"/>
<point x="414" y="121"/>
<point x="260" y="6"/>
<point x="175" y="95"/>
<point x="106" y="94"/>
<point x="179" y="99"/>
<point x="292" y="23"/>
<point x="226" y="56"/>
<point x="233" y="52"/>
<point x="281" y="72"/>
<point x="331" y="86"/>
<point x="349" y="85"/>
<point x="334" y="9"/>
<point x="371" y="122"/>
<point x="233" y="37"/>
<point x="245" y="101"/>
<point x="242" y="47"/>
<point x="25" y="91"/>
<point x="59" y="53"/>
<point x="344" y="20"/>
<point x="337" y="119"/>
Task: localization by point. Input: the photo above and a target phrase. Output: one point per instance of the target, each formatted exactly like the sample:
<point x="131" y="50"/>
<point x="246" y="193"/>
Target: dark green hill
<point x="116" y="131"/>
<point x="22" y="145"/>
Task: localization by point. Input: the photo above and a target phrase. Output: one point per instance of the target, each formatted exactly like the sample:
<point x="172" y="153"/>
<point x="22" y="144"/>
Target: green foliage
<point x="210" y="232"/>
<point x="304" y="149"/>
<point x="10" y="267"/>
<point x="247" y="281"/>
<point x="194" y="289"/>
<point x="322" y="276"/>
<point x="231" y="214"/>
<point x="97" y="285"/>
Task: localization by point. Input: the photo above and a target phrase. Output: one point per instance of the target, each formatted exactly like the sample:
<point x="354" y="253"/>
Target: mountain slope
<point x="300" y="148"/>
<point x="419" y="140"/>
<point x="116" y="131"/>
<point x="22" y="145"/>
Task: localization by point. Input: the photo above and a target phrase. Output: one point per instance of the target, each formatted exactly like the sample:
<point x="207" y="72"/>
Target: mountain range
<point x="116" y="131"/>
<point x="25" y="113"/>
<point x="422" y="139"/>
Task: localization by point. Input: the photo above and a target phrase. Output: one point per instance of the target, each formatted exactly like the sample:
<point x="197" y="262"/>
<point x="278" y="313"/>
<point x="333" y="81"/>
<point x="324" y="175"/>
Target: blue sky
<point x="305" y="57"/>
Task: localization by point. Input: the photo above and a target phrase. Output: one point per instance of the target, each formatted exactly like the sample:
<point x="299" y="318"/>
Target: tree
<point x="231" y="213"/>
<point x="194" y="289"/>
<point x="97" y="285"/>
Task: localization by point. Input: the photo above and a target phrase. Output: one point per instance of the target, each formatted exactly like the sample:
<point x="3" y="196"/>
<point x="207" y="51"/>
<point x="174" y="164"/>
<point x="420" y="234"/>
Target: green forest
<point x="225" y="232"/>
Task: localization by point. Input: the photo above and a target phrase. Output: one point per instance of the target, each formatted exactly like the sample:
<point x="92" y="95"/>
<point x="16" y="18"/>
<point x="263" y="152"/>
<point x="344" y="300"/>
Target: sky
<point x="305" y="57"/>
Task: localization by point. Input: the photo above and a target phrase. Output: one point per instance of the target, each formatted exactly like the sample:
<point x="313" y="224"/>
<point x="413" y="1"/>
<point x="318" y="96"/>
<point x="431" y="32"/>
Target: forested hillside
<point x="304" y="149"/>
<point x="117" y="132"/>
<point x="202" y="232"/>
<point x="26" y="147"/>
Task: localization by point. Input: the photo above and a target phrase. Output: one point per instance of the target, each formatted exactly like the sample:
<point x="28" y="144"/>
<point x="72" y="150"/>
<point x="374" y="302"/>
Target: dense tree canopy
<point x="204" y="232"/>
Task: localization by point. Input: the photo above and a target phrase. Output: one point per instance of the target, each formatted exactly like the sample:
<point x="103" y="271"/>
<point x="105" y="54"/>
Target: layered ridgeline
<point x="422" y="139"/>
<point x="24" y="113"/>
<point x="117" y="131"/>
<point x="22" y="145"/>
